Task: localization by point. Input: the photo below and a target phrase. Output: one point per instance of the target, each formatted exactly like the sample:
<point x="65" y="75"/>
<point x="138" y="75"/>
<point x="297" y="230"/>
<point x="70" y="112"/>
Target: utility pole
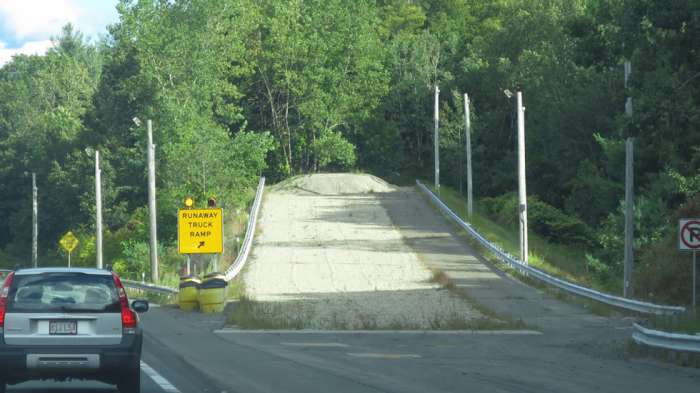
<point x="152" y="201"/>
<point x="522" y="193"/>
<point x="98" y="209"/>
<point x="629" y="197"/>
<point x="436" y="138"/>
<point x="629" y="217"/>
<point x="35" y="222"/>
<point x="628" y="103"/>
<point x="468" y="147"/>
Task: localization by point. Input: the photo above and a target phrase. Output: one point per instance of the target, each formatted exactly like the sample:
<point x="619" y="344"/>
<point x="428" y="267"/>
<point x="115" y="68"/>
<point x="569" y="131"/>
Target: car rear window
<point x="63" y="292"/>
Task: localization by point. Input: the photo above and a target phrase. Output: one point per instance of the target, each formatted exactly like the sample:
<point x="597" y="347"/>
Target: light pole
<point x="628" y="288"/>
<point x="436" y="138"/>
<point x="522" y="193"/>
<point x="35" y="222"/>
<point x="629" y="218"/>
<point x="98" y="210"/>
<point x="152" y="200"/>
<point x="150" y="148"/>
<point x="468" y="148"/>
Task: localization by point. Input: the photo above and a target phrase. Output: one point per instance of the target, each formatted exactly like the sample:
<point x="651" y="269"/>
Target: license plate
<point x="63" y="327"/>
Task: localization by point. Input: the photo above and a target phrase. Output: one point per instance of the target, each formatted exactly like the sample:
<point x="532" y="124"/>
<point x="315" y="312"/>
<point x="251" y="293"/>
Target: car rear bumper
<point x="113" y="361"/>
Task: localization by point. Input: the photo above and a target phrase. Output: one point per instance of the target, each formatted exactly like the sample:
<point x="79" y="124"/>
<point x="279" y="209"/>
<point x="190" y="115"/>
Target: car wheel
<point x="130" y="384"/>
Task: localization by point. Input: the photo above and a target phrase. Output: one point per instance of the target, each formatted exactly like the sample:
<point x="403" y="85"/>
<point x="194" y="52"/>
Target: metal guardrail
<point x="144" y="286"/>
<point x="628" y="304"/>
<point x="242" y="257"/>
<point x="666" y="340"/>
<point x="235" y="267"/>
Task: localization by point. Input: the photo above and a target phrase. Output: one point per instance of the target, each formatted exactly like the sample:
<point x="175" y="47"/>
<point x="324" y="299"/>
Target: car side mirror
<point x="140" y="305"/>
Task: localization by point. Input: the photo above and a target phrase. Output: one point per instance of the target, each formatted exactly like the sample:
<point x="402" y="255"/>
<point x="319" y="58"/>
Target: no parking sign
<point x="689" y="234"/>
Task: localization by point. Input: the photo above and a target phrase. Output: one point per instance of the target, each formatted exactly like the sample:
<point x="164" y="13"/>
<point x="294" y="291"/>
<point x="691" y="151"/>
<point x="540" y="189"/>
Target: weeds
<point x="250" y="314"/>
<point x="152" y="297"/>
<point x="490" y="320"/>
<point x="560" y="260"/>
<point x="688" y="323"/>
<point x="236" y="288"/>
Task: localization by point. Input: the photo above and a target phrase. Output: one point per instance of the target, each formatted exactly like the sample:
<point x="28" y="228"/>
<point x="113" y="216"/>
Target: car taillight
<point x="129" y="320"/>
<point x="3" y="298"/>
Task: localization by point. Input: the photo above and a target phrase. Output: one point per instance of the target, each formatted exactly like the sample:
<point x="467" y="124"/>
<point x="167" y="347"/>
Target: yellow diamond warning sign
<point x="69" y="242"/>
<point x="200" y="231"/>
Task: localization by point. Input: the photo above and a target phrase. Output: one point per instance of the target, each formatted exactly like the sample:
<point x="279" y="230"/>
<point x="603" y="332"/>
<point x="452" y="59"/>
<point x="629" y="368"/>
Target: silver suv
<point x="63" y="323"/>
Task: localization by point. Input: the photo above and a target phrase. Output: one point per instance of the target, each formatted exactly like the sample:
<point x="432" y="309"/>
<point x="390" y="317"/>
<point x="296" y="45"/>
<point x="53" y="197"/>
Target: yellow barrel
<point x="187" y="297"/>
<point x="212" y="293"/>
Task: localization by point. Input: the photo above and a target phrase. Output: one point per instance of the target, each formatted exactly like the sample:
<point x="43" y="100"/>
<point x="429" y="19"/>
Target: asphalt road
<point x="380" y="361"/>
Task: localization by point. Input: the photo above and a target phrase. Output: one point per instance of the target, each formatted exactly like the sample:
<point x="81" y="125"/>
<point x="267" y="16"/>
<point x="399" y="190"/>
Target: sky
<point x="26" y="26"/>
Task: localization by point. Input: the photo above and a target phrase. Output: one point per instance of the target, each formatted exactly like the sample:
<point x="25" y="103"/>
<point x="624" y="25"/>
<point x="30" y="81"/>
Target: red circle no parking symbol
<point x="690" y="235"/>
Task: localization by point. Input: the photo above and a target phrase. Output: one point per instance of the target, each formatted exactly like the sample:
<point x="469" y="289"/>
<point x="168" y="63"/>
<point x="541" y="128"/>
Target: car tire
<point x="131" y="382"/>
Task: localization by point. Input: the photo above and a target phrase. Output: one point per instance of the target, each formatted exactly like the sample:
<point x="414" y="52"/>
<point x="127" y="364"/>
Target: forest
<point x="237" y="89"/>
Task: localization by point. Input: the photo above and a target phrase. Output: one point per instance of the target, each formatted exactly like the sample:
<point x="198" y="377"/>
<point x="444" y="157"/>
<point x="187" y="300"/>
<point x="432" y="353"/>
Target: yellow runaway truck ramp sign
<point x="200" y="231"/>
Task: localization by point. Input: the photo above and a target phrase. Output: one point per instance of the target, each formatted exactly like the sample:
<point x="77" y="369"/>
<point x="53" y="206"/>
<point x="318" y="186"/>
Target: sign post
<point x="689" y="240"/>
<point x="69" y="242"/>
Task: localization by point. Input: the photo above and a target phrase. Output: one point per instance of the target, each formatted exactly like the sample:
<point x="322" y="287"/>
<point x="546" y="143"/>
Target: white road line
<point x="423" y="332"/>
<point x="391" y="356"/>
<point x="317" y="345"/>
<point x="158" y="379"/>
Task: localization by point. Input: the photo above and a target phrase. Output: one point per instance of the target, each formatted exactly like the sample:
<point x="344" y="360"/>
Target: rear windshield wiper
<point x="84" y="309"/>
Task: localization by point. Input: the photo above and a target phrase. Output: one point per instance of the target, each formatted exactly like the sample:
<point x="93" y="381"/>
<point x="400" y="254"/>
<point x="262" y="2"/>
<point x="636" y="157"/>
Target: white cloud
<point x="27" y="19"/>
<point x="29" y="48"/>
<point x="28" y="25"/>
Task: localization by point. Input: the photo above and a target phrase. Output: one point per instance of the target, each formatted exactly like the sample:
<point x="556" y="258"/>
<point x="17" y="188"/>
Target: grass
<point x="508" y="240"/>
<point x="152" y="297"/>
<point x="686" y="323"/>
<point x="684" y="359"/>
<point x="250" y="314"/>
<point x="236" y="288"/>
<point x="559" y="260"/>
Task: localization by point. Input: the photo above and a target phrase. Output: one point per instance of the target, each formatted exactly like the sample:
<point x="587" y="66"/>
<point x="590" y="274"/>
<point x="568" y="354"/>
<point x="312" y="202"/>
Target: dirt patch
<point x="336" y="184"/>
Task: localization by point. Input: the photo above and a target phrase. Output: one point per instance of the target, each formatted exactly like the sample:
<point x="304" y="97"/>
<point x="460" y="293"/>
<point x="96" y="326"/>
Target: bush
<point x="663" y="273"/>
<point x="333" y="151"/>
<point x="136" y="259"/>
<point x="544" y="219"/>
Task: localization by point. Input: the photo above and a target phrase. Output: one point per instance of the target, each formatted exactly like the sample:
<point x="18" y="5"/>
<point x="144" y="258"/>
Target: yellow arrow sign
<point x="200" y="231"/>
<point x="69" y="242"/>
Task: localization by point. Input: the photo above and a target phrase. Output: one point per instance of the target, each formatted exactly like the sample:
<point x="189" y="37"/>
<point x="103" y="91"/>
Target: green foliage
<point x="662" y="272"/>
<point x="135" y="259"/>
<point x="42" y="102"/>
<point x="240" y="88"/>
<point x="543" y="219"/>
<point x="334" y="152"/>
<point x="318" y="67"/>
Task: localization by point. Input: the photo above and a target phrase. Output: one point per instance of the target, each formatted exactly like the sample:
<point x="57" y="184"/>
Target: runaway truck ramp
<point x="329" y="257"/>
